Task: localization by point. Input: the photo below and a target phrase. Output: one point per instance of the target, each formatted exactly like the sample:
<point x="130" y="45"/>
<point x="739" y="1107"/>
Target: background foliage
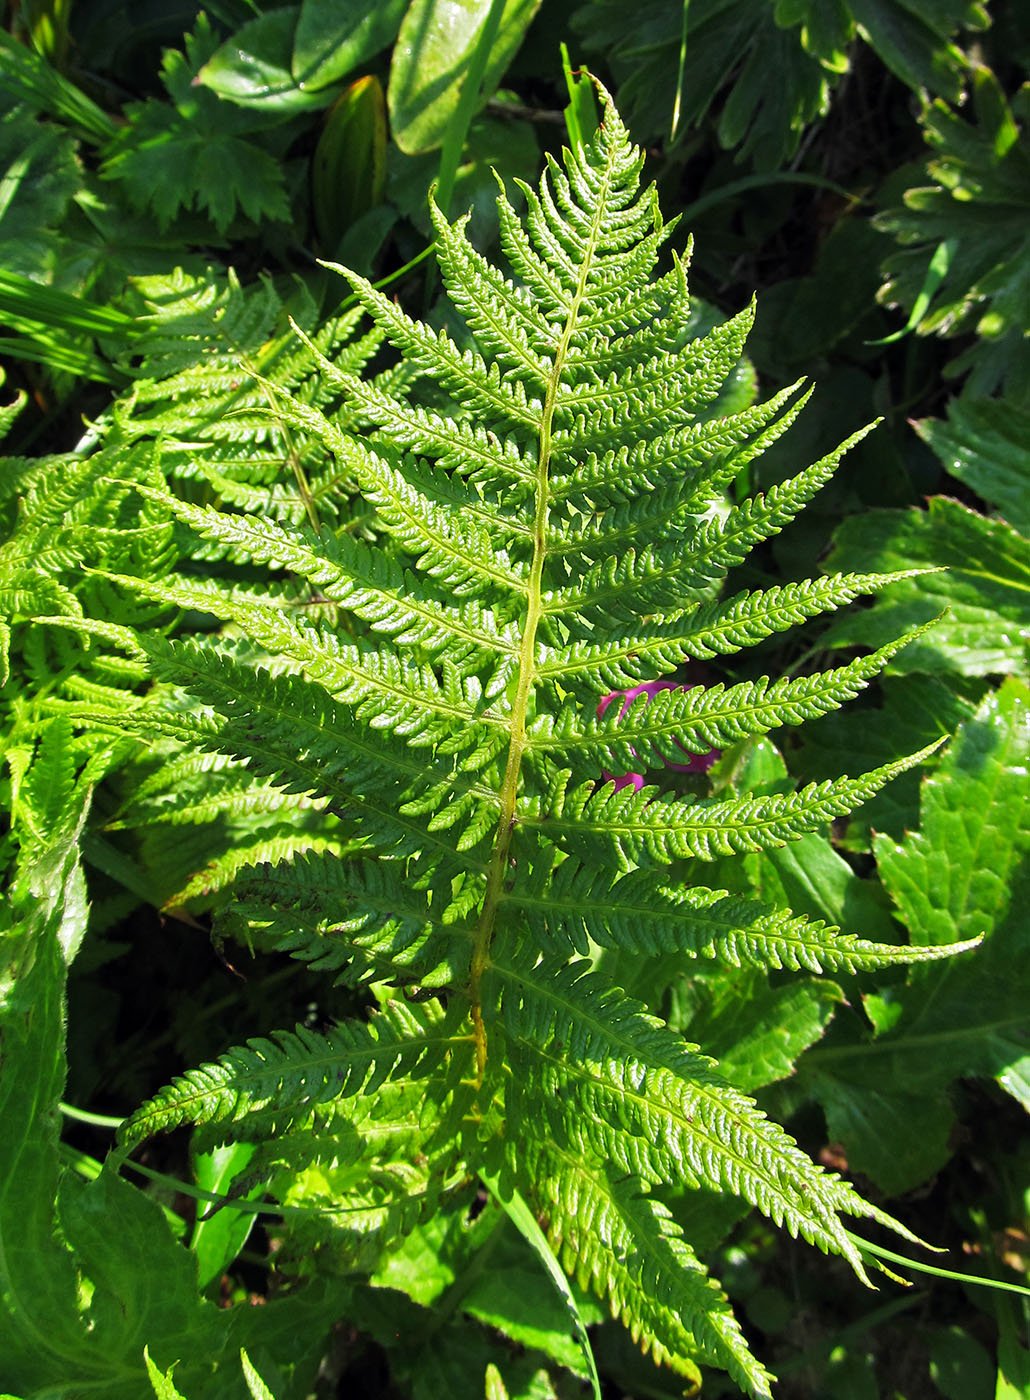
<point x="170" y="181"/>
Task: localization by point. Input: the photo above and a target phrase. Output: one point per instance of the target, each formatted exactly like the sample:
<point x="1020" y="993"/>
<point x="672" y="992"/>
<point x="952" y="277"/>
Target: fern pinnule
<point x="706" y="454"/>
<point x="640" y="912"/>
<point x="364" y="920"/>
<point x="660" y="726"/>
<point x="286" y="1079"/>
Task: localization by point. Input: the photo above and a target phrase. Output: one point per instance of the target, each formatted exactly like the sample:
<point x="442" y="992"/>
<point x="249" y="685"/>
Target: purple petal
<point x="699" y="762"/>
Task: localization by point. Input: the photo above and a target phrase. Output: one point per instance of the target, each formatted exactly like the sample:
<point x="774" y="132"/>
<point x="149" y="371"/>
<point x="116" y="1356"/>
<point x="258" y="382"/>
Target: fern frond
<point x="287" y="727"/>
<point x="372" y="585"/>
<point x="692" y="560"/>
<point x="275" y="754"/>
<point x="362" y="919"/>
<point x="502" y="406"/>
<point x="546" y="521"/>
<point x="193" y="788"/>
<point x="450" y="545"/>
<point x="462" y="448"/>
<point x="214" y="357"/>
<point x="387" y="691"/>
<point x="714" y="450"/>
<point x="649" y="398"/>
<point x="506" y="322"/>
<point x="278" y="843"/>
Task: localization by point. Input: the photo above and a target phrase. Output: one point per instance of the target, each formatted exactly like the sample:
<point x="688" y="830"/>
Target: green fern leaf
<point x="627" y="1248"/>
<point x="562" y="531"/>
<point x="365" y="920"/>
<point x="663" y="725"/>
<point x="287" y="1079"/>
<point x="602" y="1071"/>
<point x="640" y="913"/>
<point x="641" y="831"/>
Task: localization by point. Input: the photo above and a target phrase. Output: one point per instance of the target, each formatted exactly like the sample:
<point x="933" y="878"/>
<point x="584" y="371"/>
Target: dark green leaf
<point x="961" y="1367"/>
<point x="984" y="444"/>
<point x="195" y="154"/>
<point x="39" y="176"/>
<point x="976" y="200"/>
<point x="335" y="37"/>
<point x="252" y="69"/>
<point x="985" y="589"/>
<point x="757" y="1032"/>
<point x="967" y="868"/>
<point x="434" y="52"/>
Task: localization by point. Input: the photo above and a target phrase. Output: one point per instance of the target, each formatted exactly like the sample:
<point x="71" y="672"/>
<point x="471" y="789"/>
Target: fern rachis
<point x="521" y="571"/>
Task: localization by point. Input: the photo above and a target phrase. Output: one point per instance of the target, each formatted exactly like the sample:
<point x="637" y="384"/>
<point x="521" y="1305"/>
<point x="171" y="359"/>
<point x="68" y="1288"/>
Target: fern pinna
<point x="550" y="498"/>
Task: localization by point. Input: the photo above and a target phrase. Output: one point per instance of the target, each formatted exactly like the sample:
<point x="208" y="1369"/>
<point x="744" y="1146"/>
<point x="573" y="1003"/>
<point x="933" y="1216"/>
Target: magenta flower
<point x="699" y="762"/>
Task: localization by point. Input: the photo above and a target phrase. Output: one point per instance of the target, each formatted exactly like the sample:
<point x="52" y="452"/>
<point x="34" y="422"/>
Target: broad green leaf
<point x="38" y="178"/>
<point x="957" y="876"/>
<point x="911" y="37"/>
<point x="139" y="1261"/>
<point x="335" y="37"/>
<point x="1013" y="1380"/>
<point x="984" y="444"/>
<point x="348" y="173"/>
<point x="434" y="52"/>
<point x="529" y="1227"/>
<point x="960" y="1366"/>
<point x="56" y="1231"/>
<point x="966" y="868"/>
<point x="811" y="878"/>
<point x="738" y="59"/>
<point x="194" y="153"/>
<point x="802" y="318"/>
<point x="90" y="1274"/>
<point x="219" y="1237"/>
<point x="44" y="1340"/>
<point x="769" y="67"/>
<point x="915" y="710"/>
<point x="897" y="1139"/>
<point x="513" y="1297"/>
<point x="975" y="197"/>
<point x="757" y="1032"/>
<point x="252" y="69"/>
<point x="426" y="1261"/>
<point x="985" y="589"/>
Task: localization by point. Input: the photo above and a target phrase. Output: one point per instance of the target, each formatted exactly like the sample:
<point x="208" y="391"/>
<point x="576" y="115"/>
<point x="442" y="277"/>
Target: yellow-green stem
<point x="526" y="673"/>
